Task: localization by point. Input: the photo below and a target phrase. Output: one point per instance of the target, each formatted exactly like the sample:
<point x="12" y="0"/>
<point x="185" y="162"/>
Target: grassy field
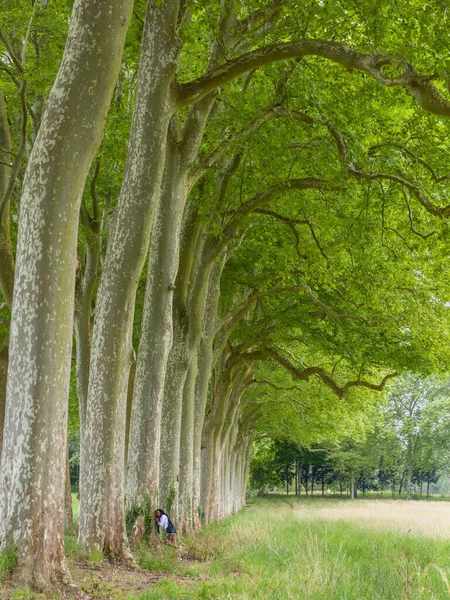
<point x="281" y="548"/>
<point x="313" y="549"/>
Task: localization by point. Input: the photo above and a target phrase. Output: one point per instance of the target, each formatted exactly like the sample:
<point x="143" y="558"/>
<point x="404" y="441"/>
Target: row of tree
<point x="284" y="192"/>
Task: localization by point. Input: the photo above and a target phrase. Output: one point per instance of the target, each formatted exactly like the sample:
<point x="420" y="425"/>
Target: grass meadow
<point x="283" y="548"/>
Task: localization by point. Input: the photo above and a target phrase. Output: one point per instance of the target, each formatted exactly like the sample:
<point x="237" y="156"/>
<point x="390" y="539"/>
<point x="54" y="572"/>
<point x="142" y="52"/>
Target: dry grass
<point x="426" y="519"/>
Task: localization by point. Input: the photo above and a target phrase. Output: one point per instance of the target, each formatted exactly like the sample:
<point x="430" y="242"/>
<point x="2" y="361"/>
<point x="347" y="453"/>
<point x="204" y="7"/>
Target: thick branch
<point x="427" y="96"/>
<point x="358" y="173"/>
<point x="441" y="212"/>
<point x="305" y="374"/>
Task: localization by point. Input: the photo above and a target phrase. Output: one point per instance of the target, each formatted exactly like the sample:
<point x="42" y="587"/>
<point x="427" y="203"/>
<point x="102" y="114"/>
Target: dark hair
<point x="170" y="524"/>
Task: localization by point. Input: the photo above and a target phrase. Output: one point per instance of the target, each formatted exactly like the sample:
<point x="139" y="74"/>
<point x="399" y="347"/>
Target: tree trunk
<point x="409" y="473"/>
<point x="32" y="499"/>
<point x="3" y="377"/>
<point x="68" y="513"/>
<point x="102" y="517"/>
<point x="6" y="250"/>
<point x="188" y="316"/>
<point x="204" y="370"/>
<point x="130" y="391"/>
<point x="352" y="485"/>
<point x="6" y="254"/>
<point x="84" y="292"/>
<point x="179" y="363"/>
<point x="187" y="451"/>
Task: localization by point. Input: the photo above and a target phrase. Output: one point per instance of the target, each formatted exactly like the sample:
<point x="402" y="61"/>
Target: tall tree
<point x="31" y="495"/>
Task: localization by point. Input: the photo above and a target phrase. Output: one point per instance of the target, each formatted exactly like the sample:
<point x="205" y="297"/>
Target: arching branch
<point x="420" y="86"/>
<point x="358" y="173"/>
<point x="299" y="374"/>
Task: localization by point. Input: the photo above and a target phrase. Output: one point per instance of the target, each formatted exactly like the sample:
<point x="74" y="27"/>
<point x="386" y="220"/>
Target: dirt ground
<point x="99" y="582"/>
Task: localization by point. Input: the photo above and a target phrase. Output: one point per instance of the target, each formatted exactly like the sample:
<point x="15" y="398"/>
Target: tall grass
<point x="290" y="548"/>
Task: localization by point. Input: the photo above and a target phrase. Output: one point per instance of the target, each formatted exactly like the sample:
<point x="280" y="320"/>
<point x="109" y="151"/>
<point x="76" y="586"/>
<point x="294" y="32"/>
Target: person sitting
<point x="162" y="520"/>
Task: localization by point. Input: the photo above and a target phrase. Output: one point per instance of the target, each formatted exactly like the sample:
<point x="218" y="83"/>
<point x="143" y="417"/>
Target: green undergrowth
<point x="271" y="551"/>
<point x="8" y="562"/>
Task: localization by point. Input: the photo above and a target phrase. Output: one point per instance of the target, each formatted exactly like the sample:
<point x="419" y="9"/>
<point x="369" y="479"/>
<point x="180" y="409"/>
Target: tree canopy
<point x="241" y="209"/>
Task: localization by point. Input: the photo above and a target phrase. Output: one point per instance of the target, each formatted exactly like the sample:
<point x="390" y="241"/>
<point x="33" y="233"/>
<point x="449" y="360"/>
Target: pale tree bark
<point x="185" y="521"/>
<point x="218" y="426"/>
<point x="213" y="421"/>
<point x="102" y="519"/>
<point x="204" y="363"/>
<point x="34" y="448"/>
<point x="157" y="332"/>
<point x="188" y="313"/>
<point x="84" y="294"/>
<point x="198" y="254"/>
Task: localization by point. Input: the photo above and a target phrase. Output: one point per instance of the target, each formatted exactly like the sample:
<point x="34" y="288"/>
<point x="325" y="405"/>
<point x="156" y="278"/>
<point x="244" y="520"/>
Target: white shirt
<point x="163" y="521"/>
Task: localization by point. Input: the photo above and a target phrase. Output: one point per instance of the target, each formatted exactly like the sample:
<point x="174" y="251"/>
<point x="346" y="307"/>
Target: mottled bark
<point x="204" y="370"/>
<point x="102" y="519"/>
<point x="221" y="419"/>
<point x="34" y="448"/>
<point x="156" y="335"/>
<point x="84" y="307"/>
<point x="186" y="506"/>
<point x="84" y="293"/>
<point x="177" y="369"/>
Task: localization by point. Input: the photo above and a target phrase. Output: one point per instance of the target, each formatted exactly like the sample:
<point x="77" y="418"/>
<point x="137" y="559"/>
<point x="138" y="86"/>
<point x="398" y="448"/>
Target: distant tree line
<point x="406" y="452"/>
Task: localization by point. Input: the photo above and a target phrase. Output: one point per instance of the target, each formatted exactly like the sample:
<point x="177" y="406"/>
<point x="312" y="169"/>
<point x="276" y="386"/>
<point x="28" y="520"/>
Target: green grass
<point x="287" y="548"/>
<point x="8" y="562"/>
<point x="75" y="505"/>
<point x="271" y="551"/>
